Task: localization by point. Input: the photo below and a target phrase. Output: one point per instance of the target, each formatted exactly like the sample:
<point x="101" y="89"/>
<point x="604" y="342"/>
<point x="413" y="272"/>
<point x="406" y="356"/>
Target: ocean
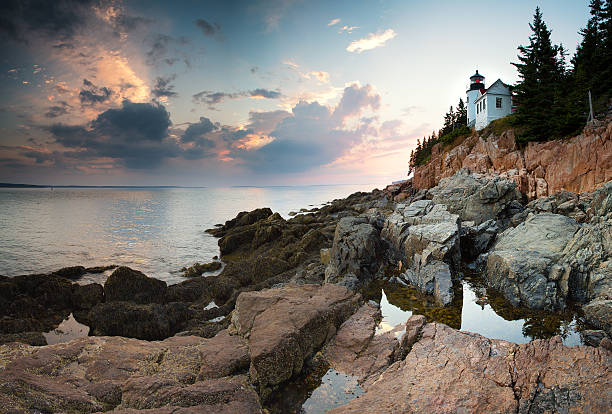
<point x="155" y="230"/>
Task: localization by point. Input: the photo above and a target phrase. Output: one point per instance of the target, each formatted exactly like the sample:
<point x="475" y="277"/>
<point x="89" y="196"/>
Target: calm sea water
<point x="155" y="230"/>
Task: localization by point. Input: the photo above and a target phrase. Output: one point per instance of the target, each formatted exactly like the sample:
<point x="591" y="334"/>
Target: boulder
<point x="523" y="263"/>
<point x="474" y="199"/>
<point x="73" y="272"/>
<point x="356" y="253"/>
<point x="360" y="351"/>
<point x="87" y="296"/>
<point x="287" y="325"/>
<point x="126" y="284"/>
<point x="477" y="239"/>
<point x="449" y="371"/>
<point x="432" y="279"/>
<point x="178" y="375"/>
<point x="425" y="238"/>
<point x="128" y="319"/>
<point x="598" y="313"/>
<point x="243" y="218"/>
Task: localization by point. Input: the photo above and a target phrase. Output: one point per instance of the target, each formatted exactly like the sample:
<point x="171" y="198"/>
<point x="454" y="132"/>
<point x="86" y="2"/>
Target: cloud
<point x="311" y="135"/>
<point x="208" y="29"/>
<point x="58" y="110"/>
<point x="135" y="135"/>
<point x="59" y="19"/>
<point x="92" y="94"/>
<point x="372" y="41"/>
<point x="321" y="76"/>
<point x="162" y="45"/>
<point x="333" y="22"/>
<point x="196" y="136"/>
<point x="163" y="88"/>
<point x="355" y="99"/>
<point x="347" y="29"/>
<point x="212" y="98"/>
<point x="264" y="93"/>
<point x="291" y="64"/>
<point x="265" y="122"/>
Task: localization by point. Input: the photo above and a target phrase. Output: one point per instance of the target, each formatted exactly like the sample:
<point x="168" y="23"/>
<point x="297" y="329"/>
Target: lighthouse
<point x="476" y="86"/>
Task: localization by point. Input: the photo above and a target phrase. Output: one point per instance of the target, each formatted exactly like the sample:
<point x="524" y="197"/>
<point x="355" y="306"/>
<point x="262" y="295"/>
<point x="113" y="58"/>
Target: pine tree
<point x="461" y="113"/>
<point x="592" y="63"/>
<point x="537" y="93"/>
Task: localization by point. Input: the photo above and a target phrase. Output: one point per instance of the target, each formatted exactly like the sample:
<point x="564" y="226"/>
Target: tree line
<point x="455" y="125"/>
<point x="552" y="95"/>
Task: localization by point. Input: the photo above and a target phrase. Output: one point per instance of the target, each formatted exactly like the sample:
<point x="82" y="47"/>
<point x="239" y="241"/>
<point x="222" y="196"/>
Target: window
<point x="498" y="102"/>
<point x="468" y="99"/>
<point x="484" y="104"/>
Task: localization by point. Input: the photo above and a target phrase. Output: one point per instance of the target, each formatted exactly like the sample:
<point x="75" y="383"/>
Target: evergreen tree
<point x="592" y="63"/>
<point x="461" y="113"/>
<point x="449" y="121"/>
<point x="541" y="72"/>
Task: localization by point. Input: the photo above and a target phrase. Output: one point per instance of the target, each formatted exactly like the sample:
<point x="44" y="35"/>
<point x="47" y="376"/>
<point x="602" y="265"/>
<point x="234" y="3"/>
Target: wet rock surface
<point x="101" y="373"/>
<point x="521" y="262"/>
<point x="286" y="326"/>
<point x="450" y="371"/>
<point x="356" y="253"/>
<point x="126" y="284"/>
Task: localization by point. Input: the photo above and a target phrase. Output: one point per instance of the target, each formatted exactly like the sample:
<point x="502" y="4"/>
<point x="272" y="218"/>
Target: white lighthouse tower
<point x="476" y="85"/>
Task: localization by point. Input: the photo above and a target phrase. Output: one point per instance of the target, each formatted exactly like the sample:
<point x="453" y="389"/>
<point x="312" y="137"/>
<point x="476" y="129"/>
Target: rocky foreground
<point x="291" y="295"/>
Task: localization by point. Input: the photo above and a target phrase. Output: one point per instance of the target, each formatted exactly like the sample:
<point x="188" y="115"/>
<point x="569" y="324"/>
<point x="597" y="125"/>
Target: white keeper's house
<point x="487" y="104"/>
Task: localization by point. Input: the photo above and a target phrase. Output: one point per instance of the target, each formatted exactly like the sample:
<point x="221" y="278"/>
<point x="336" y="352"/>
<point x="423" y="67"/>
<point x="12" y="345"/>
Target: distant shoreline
<point x="9" y="185"/>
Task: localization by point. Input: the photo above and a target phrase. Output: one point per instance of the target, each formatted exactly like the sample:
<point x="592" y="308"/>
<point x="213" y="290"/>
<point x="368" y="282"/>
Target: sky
<point x="260" y="92"/>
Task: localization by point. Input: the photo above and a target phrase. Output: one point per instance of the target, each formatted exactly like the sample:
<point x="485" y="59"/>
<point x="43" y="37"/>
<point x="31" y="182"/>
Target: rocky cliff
<point x="580" y="164"/>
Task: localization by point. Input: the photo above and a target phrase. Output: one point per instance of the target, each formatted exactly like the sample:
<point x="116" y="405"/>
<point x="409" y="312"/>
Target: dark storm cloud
<point x="57" y="110"/>
<point x="197" y="130"/>
<point x="196" y="135"/>
<point x="56" y="18"/>
<point x="163" y="87"/>
<point x="136" y="135"/>
<point x="207" y="28"/>
<point x="265" y="93"/>
<point x="92" y="94"/>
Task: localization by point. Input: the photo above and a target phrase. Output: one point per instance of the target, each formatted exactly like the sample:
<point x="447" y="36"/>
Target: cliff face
<point x="582" y="163"/>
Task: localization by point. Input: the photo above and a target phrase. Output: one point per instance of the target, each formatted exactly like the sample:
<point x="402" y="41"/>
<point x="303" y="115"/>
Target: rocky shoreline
<point x="294" y="295"/>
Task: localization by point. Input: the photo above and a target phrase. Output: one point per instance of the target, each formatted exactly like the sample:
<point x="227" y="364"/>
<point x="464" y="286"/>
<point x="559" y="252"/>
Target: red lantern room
<point x="476" y="81"/>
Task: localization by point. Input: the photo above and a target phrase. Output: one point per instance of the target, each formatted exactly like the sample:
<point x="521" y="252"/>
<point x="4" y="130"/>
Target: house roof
<point x="498" y="81"/>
